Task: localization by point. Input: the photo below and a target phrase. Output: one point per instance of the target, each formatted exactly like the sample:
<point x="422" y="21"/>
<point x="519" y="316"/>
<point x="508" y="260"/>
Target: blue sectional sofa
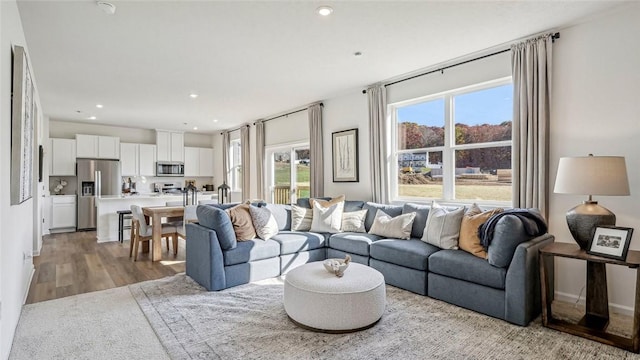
<point x="509" y="289"/>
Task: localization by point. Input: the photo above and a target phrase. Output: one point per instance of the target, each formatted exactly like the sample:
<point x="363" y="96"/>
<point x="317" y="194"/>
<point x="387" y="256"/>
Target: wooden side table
<point x="596" y="319"/>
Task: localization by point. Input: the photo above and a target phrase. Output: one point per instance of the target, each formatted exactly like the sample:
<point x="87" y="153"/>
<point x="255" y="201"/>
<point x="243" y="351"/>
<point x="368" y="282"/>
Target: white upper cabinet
<point x="97" y="147"/>
<point x="129" y="160"/>
<point x="198" y="162"/>
<point x="170" y="145"/>
<point x="62" y="155"/>
<point x="138" y="159"/>
<point x="147" y="160"/>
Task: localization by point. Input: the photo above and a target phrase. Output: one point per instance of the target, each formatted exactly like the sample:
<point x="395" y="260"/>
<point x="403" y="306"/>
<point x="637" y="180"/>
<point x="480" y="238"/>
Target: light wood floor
<point x="74" y="263"/>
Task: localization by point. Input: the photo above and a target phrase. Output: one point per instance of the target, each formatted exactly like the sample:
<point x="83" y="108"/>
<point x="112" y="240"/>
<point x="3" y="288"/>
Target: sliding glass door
<point x="287" y="172"/>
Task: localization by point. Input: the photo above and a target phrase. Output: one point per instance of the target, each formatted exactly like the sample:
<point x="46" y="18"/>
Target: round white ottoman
<point x="317" y="300"/>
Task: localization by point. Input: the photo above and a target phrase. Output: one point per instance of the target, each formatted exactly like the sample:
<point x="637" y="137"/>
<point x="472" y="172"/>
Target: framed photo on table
<point x="611" y="241"/>
<point x="345" y="155"/>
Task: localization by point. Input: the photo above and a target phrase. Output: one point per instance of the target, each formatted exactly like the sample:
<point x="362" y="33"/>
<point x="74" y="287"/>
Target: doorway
<point x="288" y="170"/>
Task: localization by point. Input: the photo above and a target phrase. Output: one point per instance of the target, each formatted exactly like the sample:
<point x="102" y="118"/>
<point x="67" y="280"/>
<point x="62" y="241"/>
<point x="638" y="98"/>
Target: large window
<point x="235" y="165"/>
<point x="455" y="146"/>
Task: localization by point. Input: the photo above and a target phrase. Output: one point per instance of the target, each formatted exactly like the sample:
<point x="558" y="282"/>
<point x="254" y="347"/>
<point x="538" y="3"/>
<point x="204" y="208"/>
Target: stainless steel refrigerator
<point x="95" y="178"/>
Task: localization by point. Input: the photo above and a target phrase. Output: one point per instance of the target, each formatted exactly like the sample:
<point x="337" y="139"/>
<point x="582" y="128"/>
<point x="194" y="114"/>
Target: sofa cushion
<point x="327" y="217"/>
<point x="304" y="202"/>
<point x="264" y="222"/>
<point x="251" y="250"/>
<point x="422" y="212"/>
<point x="443" y="227"/>
<point x="215" y="218"/>
<point x="353" y="205"/>
<point x="391" y="210"/>
<point x="398" y="227"/>
<point x="353" y="221"/>
<point x="242" y="222"/>
<point x="469" y="240"/>
<point x="301" y="218"/>
<point x="462" y="265"/>
<point x="294" y="241"/>
<point x="355" y="243"/>
<point x="282" y="214"/>
<point x="412" y="253"/>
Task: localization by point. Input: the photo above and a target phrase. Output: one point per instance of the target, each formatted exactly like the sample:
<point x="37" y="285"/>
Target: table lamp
<point x="591" y="175"/>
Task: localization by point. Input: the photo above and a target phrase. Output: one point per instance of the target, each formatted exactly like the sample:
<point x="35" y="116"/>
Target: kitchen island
<point x="108" y="206"/>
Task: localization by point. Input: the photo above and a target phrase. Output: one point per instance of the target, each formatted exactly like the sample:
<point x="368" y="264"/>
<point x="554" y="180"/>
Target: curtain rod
<point x="238" y="128"/>
<point x="442" y="69"/>
<point x="287" y="114"/>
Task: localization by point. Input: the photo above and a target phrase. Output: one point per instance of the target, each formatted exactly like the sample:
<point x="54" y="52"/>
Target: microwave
<point x="169" y="168"/>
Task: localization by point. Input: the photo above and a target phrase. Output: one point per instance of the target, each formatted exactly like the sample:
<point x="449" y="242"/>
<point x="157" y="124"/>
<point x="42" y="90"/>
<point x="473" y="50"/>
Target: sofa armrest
<point x="522" y="287"/>
<point x="204" y="259"/>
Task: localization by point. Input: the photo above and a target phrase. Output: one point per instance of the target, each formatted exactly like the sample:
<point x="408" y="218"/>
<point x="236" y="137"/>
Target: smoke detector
<point x="107" y="7"/>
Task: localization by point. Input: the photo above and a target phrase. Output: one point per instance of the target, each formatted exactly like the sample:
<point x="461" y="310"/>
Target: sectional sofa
<point x="505" y="286"/>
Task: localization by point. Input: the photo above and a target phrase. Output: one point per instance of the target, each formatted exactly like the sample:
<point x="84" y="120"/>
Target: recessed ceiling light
<point x="195" y="128"/>
<point x="215" y="120"/>
<point x="324" y="10"/>
<point x="99" y="106"/>
<point x="107" y="7"/>
<point x="92" y="118"/>
<point x="193" y="95"/>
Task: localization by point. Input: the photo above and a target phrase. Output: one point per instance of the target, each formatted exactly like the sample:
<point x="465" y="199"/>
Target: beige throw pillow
<point x="301" y="218"/>
<point x="398" y="227"/>
<point x="353" y="221"/>
<point x="242" y="222"/>
<point x="326" y="203"/>
<point x="443" y="226"/>
<point x="471" y="222"/>
<point x="327" y="219"/>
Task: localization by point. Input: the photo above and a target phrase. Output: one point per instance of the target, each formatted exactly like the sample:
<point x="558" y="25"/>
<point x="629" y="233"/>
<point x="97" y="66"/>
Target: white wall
<point x="16" y="228"/>
<point x="596" y="110"/>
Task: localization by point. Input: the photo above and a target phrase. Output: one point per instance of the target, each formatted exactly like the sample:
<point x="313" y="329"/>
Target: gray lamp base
<point x="584" y="218"/>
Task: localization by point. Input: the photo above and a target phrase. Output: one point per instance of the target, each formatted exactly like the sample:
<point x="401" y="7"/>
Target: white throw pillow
<point x="264" y="222"/>
<point x="301" y="218"/>
<point x="327" y="219"/>
<point x="353" y="221"/>
<point x="398" y="227"/>
<point x="443" y="226"/>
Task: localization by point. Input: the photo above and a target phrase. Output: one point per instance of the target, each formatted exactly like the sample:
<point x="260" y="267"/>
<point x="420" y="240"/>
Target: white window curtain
<point x="260" y="139"/>
<point x="316" y="150"/>
<point x="226" y="144"/>
<point x="245" y="161"/>
<point x="531" y="63"/>
<point x="377" y="96"/>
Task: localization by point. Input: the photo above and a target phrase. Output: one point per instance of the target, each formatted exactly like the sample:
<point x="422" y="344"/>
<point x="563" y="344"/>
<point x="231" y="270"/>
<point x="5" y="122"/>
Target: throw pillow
<point x="326" y="203"/>
<point x="398" y="227"/>
<point x="327" y="219"/>
<point x="264" y="222"/>
<point x="471" y="222"/>
<point x="242" y="222"/>
<point x="353" y="221"/>
<point x="442" y="228"/>
<point x="301" y="218"/>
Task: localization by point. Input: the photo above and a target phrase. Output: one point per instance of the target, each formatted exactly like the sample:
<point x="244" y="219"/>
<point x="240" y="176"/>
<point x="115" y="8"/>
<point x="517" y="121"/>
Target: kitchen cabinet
<point x="137" y="159"/>
<point x="63" y="212"/>
<point x="198" y="162"/>
<point x="169" y="146"/>
<point x="147" y="160"/>
<point x="97" y="147"/>
<point x="62" y="156"/>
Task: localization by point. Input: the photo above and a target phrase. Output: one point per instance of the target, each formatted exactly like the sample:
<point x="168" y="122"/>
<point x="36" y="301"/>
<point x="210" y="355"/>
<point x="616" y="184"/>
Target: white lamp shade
<point x="592" y="175"/>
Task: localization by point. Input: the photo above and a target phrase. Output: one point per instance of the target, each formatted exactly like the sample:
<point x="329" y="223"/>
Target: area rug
<point x="249" y="322"/>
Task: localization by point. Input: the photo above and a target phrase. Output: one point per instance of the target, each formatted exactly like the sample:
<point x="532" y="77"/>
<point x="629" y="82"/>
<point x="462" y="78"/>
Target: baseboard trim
<point x="572" y="298"/>
<point x="26" y="294"/>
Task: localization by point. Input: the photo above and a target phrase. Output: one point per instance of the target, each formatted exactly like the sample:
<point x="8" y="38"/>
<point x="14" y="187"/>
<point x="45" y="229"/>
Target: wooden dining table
<point x="155" y="214"/>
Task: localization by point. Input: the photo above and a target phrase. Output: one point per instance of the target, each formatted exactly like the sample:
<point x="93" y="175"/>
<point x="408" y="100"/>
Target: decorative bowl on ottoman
<point x="337" y="266"/>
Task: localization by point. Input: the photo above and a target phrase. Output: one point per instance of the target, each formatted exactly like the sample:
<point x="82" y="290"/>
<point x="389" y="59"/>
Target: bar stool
<point x="122" y="216"/>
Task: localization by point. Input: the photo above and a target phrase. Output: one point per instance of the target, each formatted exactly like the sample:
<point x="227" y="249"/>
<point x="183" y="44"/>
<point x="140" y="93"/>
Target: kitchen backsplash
<point x="145" y="184"/>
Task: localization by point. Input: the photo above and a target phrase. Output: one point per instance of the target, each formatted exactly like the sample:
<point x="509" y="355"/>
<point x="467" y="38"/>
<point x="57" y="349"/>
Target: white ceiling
<point x="250" y="60"/>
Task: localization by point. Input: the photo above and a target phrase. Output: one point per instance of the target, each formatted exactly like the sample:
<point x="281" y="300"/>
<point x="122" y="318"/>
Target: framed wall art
<point x="611" y="241"/>
<point x="345" y="155"/>
<point x="22" y="129"/>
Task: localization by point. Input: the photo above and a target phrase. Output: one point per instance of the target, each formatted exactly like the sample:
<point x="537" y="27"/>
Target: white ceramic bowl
<point x="337" y="270"/>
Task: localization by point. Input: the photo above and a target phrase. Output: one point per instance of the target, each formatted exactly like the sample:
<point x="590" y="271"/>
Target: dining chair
<point x="189" y="217"/>
<point x="141" y="231"/>
<point x="177" y="221"/>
